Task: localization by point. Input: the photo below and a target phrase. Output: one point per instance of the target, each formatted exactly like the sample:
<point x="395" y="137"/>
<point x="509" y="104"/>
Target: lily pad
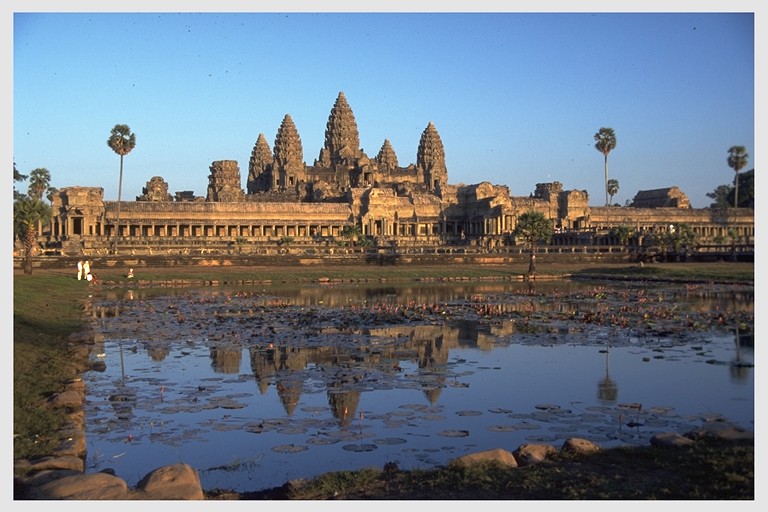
<point x="322" y="440"/>
<point x="289" y="448"/>
<point x="454" y="433"/>
<point x="390" y="440"/>
<point x="360" y="447"/>
<point x="502" y="428"/>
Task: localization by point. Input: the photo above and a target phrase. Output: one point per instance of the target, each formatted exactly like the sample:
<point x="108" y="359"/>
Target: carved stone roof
<point x="387" y="159"/>
<point x="261" y="157"/>
<point x="224" y="182"/>
<point x="430" y="157"/>
<point x="288" y="152"/>
<point x="156" y="190"/>
<point x="341" y="133"/>
<point x="260" y="167"/>
<point x="660" y="198"/>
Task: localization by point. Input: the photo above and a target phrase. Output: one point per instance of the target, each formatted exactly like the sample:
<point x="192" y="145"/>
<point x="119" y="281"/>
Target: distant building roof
<point x="670" y="197"/>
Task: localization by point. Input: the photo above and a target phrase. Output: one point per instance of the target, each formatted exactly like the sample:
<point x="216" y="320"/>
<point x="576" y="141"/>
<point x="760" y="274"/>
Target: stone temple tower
<point x="260" y="178"/>
<point x="387" y="159"/>
<point x="430" y="159"/>
<point x="224" y="182"/>
<point x="288" y="165"/>
<point x="342" y="139"/>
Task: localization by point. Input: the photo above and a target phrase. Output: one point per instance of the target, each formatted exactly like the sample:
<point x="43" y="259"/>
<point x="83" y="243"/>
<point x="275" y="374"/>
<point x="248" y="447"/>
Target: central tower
<point x="342" y="139"/>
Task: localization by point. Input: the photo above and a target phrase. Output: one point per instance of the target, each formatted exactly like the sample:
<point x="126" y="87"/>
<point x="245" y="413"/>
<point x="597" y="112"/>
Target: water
<point x="257" y="386"/>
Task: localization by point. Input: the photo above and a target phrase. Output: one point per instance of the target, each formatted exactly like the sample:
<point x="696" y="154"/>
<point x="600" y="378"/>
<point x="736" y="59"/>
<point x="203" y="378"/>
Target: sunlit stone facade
<point x="286" y="201"/>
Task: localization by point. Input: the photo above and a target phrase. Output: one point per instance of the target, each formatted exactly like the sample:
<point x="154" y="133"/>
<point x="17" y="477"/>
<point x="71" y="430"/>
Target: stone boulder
<point x="499" y="455"/>
<point x="670" y="440"/>
<point x="93" y="486"/>
<point x="580" y="446"/>
<point x="528" y="454"/>
<point x="175" y="482"/>
<point x="723" y="431"/>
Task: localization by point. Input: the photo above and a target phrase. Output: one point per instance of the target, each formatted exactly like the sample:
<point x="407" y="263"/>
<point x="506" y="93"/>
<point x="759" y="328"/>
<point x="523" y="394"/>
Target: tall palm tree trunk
<point x="736" y="190"/>
<point x="606" y="180"/>
<point x="30" y="240"/>
<point x="117" y="216"/>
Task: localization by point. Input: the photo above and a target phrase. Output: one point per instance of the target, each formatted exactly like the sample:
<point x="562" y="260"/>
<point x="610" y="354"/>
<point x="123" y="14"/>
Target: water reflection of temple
<point x="157" y="353"/>
<point x="343" y="403"/>
<point x="346" y="369"/>
<point x="226" y="359"/>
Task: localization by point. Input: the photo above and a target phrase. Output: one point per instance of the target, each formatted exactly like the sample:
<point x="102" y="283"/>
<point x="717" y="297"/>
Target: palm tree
<point x="50" y="193"/>
<point x="737" y="160"/>
<point x="720" y="195"/>
<point x="351" y="233"/>
<point x="624" y="234"/>
<point x="28" y="212"/>
<point x="122" y="141"/>
<point x="533" y="227"/>
<point x="17" y="176"/>
<point x="612" y="188"/>
<point x="39" y="181"/>
<point x="606" y="142"/>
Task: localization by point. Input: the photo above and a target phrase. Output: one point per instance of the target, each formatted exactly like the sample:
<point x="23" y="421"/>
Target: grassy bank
<point x="707" y="470"/>
<point x="48" y="307"/>
<point x="717" y="271"/>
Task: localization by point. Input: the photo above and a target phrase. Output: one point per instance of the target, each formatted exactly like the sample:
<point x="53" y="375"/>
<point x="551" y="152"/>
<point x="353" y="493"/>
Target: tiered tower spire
<point x="260" y="167"/>
<point x="387" y="159"/>
<point x="430" y="158"/>
<point x="342" y="140"/>
<point x="288" y="155"/>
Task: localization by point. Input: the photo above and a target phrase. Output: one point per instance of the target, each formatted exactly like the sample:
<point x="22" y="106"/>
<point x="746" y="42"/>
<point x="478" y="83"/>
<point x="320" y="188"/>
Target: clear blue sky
<point x="516" y="97"/>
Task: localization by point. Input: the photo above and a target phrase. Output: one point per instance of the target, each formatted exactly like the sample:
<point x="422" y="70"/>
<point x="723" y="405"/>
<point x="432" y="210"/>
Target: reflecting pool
<point x="255" y="386"/>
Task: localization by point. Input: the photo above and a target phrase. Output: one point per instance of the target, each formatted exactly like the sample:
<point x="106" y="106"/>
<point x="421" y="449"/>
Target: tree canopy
<point x="533" y="228"/>
<point x="724" y="196"/>
<point x="121" y="140"/>
<point x="613" y="188"/>
<point x="29" y="213"/>
<point x="17" y="176"/>
<point x="39" y="182"/>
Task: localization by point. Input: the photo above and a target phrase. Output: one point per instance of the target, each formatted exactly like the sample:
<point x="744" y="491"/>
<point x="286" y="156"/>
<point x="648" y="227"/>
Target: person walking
<point x="86" y="269"/>
<point x="80" y="270"/>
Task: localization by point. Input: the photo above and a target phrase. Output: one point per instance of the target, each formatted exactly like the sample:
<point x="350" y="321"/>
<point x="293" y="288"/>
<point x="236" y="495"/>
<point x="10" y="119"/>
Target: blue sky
<point x="516" y="96"/>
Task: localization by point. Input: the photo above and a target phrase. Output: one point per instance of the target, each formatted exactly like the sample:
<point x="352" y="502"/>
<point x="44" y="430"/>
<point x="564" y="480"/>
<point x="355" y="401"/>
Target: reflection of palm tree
<point x="739" y="370"/>
<point x="607" y="389"/>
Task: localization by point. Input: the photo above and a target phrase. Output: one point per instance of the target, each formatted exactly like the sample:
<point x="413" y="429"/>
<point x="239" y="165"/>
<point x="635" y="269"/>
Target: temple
<point x="347" y="197"/>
